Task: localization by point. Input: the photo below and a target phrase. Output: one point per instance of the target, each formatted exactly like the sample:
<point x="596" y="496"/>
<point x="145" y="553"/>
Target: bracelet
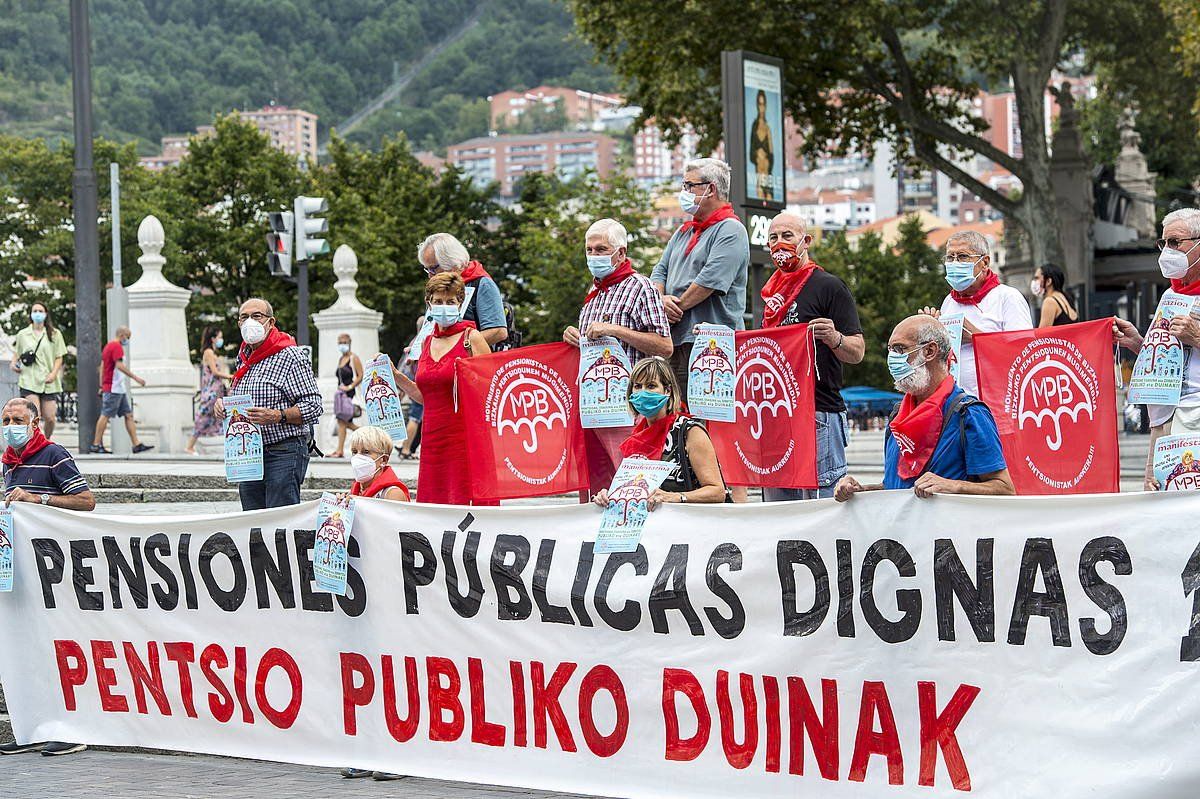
<point x="842" y="337"/>
<point x="283" y="417"/>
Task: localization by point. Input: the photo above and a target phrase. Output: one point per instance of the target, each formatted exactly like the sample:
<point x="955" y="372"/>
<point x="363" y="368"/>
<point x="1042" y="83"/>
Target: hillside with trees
<point x="166" y="66"/>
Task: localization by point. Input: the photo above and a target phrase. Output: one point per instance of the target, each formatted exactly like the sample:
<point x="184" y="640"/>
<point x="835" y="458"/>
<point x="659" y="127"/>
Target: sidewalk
<point x="140" y="775"/>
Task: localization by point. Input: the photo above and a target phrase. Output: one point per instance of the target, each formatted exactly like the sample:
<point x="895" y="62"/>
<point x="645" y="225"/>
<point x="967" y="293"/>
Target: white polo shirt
<point x="1003" y="308"/>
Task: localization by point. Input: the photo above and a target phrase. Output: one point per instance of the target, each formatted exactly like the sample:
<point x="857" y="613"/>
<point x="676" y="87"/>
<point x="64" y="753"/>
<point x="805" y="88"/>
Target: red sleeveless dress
<point x="443" y="476"/>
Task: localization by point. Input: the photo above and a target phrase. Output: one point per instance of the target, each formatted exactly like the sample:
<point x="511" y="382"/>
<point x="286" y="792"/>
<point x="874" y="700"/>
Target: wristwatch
<point x="282" y="416"/>
<point x="44" y="499"/>
<point x="682" y="498"/>
<point x="841" y="339"/>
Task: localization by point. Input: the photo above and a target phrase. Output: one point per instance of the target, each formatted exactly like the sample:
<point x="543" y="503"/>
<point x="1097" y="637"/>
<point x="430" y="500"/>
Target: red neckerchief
<point x="473" y="271"/>
<point x="453" y="330"/>
<point x="37" y="442"/>
<point x="974" y="298"/>
<point x="276" y="341"/>
<point x="1190" y="289"/>
<point x="917" y="428"/>
<point x="603" y="284"/>
<point x="382" y="482"/>
<point x="719" y="215"/>
<point x="785" y="284"/>
<point x="648" y="438"/>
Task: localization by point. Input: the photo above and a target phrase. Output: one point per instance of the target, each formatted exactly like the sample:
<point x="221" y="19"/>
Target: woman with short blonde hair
<point x="370" y="449"/>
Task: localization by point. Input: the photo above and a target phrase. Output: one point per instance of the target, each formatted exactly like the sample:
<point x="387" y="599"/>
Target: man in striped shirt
<point x="35" y="468"/>
<point x="38" y="470"/>
<point x="625" y="305"/>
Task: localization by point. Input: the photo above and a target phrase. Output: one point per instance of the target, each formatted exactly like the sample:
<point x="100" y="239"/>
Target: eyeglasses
<point x="257" y="316"/>
<point x="1173" y="243"/>
<point x="963" y="258"/>
<point x="688" y="185"/>
<point x="898" y="349"/>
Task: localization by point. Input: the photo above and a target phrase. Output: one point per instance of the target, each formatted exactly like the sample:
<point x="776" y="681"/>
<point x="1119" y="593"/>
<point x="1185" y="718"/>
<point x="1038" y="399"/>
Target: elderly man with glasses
<point x="987" y="305"/>
<point x="441" y="252"/>
<point x="702" y="272"/>
<point x="1179" y="262"/>
<point x="941" y="440"/>
<point x="280" y="381"/>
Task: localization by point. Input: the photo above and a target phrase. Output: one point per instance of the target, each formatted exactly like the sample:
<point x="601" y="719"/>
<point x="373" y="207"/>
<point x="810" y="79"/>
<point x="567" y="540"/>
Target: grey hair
<point x="612" y="230"/>
<point x="1189" y="216"/>
<point x="447" y="250"/>
<point x="34" y="411"/>
<point x="934" y="332"/>
<point x="976" y="241"/>
<point x="270" y="310"/>
<point x="712" y="170"/>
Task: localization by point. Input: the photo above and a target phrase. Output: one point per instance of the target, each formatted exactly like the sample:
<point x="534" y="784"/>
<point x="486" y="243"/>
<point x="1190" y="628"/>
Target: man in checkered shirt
<point x="279" y="378"/>
<point x="625" y="305"/>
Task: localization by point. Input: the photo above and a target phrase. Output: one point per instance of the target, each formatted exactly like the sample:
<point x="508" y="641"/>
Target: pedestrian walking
<point x="38" y="356"/>
<point x="213" y="377"/>
<point x="114" y="392"/>
<point x="349" y="374"/>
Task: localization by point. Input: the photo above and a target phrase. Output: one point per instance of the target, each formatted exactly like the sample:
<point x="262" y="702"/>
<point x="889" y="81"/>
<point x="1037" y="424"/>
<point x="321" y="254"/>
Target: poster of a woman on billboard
<point x="764" y="137"/>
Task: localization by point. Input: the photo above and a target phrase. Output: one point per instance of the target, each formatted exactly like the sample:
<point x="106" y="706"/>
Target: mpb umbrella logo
<point x="1186" y="474"/>
<point x="713" y="363"/>
<point x="631" y="497"/>
<point x="529" y="403"/>
<point x="1160" y="350"/>
<point x="767" y="390"/>
<point x="380" y="393"/>
<point x="241" y="433"/>
<point x="608" y="372"/>
<point x="1052" y="388"/>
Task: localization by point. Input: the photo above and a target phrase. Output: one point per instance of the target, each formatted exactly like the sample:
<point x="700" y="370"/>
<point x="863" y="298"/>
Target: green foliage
<point x="167" y="66"/>
<point x="550" y="231"/>
<point x="37" y="245"/>
<point x="888" y="285"/>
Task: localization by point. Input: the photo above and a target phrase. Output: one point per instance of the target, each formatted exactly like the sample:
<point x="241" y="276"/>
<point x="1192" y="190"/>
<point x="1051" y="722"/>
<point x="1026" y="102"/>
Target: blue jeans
<point x="284" y="466"/>
<point x="831" y="461"/>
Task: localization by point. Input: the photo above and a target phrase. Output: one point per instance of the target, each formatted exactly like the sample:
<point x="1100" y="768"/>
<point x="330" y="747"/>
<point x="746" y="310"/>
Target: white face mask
<point x="363" y="467"/>
<point x="1173" y="263"/>
<point x="1036" y="288"/>
<point x="253" y="332"/>
<point x="343" y="348"/>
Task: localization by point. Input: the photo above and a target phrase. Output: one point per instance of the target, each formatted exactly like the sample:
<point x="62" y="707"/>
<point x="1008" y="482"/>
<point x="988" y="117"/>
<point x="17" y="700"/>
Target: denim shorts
<point x="113" y="405"/>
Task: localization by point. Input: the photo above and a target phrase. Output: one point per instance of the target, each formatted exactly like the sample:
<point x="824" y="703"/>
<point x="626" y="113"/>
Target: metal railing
<point x="68" y="408"/>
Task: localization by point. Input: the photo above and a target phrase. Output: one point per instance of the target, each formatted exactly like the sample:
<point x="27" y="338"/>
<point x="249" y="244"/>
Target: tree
<point x="555" y="215"/>
<point x="888" y="285"/>
<point x="383" y="204"/>
<point x="859" y="73"/>
<point x="217" y="201"/>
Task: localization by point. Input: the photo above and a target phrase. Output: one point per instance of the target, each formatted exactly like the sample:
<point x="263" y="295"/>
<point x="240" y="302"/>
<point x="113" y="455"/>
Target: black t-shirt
<point x="825" y="296"/>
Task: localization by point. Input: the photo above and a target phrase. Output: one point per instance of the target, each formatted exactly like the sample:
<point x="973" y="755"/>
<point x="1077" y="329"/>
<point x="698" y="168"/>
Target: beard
<point x="916" y="383"/>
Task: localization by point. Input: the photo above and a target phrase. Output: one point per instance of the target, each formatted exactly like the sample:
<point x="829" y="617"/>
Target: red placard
<point x="522" y="415"/>
<point x="772" y="441"/>
<point x="1052" y="392"/>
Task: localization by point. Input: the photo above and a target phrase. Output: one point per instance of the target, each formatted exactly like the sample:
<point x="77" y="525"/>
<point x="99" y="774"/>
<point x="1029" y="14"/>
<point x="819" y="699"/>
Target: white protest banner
<point x="712" y="370"/>
<point x="629" y="503"/>
<point x="604" y="383"/>
<point x="1176" y="467"/>
<point x="243" y="441"/>
<point x="953" y="322"/>
<point x="1157" y="376"/>
<point x="1033" y="647"/>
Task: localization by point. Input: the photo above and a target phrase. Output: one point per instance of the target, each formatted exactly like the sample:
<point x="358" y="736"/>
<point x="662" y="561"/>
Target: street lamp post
<point x="87" y="245"/>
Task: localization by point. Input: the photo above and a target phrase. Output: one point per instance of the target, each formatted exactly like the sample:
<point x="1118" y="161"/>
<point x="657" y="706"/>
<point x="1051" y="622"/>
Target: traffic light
<point x="279" y="243"/>
<point x="308" y="224"/>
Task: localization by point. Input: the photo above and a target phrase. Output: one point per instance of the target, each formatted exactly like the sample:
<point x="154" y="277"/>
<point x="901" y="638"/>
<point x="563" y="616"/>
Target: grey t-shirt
<point x="720" y="261"/>
<point x="486" y="309"/>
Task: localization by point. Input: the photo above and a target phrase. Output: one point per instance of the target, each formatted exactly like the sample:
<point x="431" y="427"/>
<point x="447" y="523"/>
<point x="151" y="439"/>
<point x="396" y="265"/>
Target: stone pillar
<point x="346" y="315"/>
<point x="1071" y="177"/>
<point x="1133" y="175"/>
<point x="160" y="347"/>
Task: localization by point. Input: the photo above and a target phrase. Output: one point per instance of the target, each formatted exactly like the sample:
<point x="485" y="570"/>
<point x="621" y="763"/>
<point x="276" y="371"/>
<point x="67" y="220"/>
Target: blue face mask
<point x="960" y="276"/>
<point x="218" y="343"/>
<point x="445" y="315"/>
<point x="38" y="316"/>
<point x="688" y="202"/>
<point x="16" y="435"/>
<point x="600" y="266"/>
<point x="648" y="403"/>
<point x="899" y="366"/>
